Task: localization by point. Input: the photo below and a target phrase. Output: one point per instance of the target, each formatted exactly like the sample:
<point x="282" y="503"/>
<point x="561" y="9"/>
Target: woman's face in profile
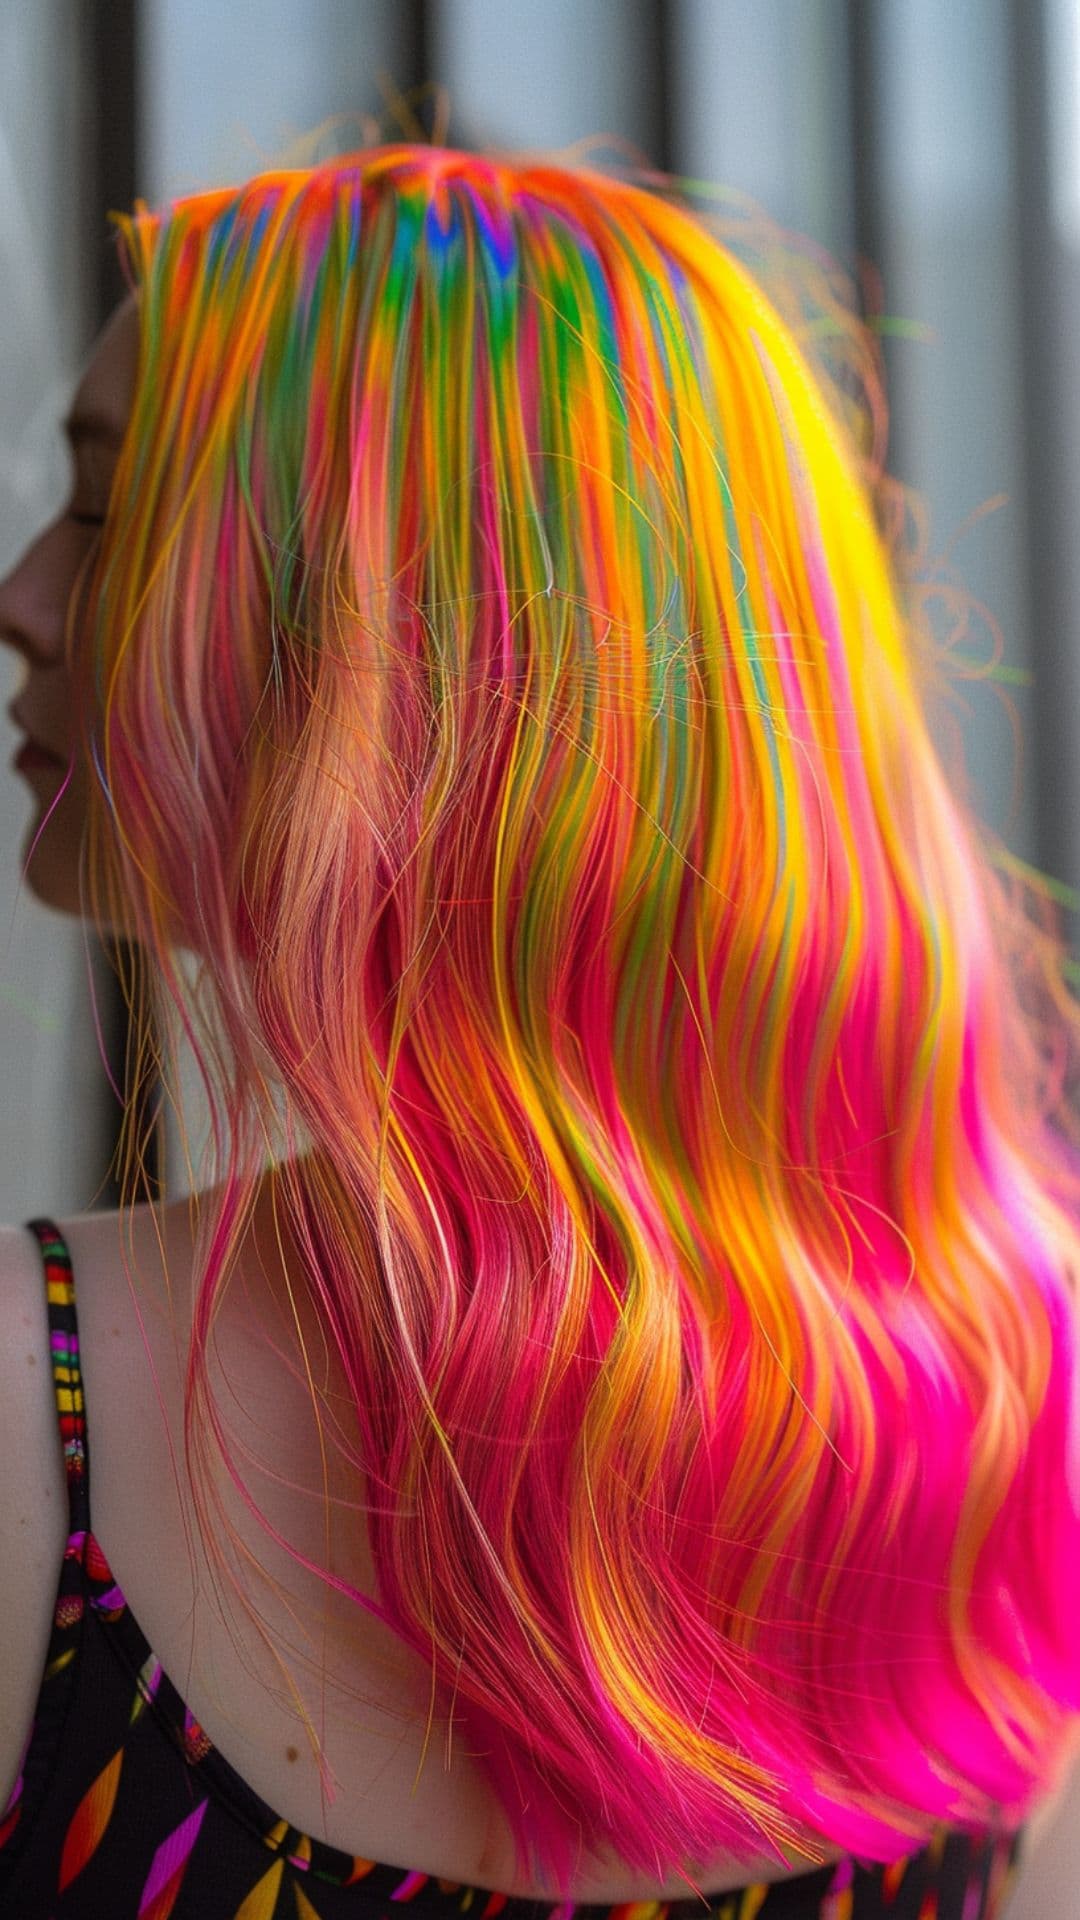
<point x="33" y="606"/>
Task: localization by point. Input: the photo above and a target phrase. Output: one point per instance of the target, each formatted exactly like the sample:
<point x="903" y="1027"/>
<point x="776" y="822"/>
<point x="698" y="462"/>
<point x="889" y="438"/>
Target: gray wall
<point x="54" y="1115"/>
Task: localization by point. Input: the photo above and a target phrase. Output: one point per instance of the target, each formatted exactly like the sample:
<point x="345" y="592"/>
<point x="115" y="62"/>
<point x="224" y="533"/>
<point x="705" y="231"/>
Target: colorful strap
<point x="67" y="1375"/>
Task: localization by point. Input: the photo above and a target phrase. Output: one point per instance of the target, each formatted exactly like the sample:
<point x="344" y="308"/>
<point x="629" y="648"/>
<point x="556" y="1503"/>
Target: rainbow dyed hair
<point x="501" y="676"/>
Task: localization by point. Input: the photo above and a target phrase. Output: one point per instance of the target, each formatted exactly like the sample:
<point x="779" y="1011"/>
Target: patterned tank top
<point x="124" y="1810"/>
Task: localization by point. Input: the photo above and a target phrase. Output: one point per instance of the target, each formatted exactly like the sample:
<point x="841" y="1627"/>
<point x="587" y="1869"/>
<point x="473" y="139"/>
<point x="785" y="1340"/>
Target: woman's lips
<point x="31" y="756"/>
<point x="18" y="719"/>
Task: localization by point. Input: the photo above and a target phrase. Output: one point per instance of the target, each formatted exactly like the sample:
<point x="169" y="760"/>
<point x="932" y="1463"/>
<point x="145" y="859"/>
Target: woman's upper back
<point x="150" y="1593"/>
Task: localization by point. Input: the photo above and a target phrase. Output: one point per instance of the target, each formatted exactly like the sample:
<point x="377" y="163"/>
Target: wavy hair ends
<point x="501" y="677"/>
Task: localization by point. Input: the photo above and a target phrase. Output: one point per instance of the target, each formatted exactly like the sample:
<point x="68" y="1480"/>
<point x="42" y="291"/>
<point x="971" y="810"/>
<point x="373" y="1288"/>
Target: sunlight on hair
<point x="511" y="677"/>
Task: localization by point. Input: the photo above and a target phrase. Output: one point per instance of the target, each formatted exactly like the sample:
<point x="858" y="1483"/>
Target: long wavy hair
<point x="506" y="669"/>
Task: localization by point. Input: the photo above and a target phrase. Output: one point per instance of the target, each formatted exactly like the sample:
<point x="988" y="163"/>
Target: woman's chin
<point x="49" y="856"/>
<point x="50" y="887"/>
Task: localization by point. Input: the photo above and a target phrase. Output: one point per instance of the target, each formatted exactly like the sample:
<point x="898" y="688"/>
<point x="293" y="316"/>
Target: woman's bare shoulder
<point x="1061" y="1807"/>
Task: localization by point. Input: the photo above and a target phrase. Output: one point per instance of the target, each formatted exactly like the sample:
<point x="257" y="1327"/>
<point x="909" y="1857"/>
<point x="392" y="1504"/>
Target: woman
<point x="623" y="1448"/>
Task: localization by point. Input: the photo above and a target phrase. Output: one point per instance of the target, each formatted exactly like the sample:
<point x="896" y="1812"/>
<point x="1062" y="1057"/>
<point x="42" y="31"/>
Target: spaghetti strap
<point x="67" y="1374"/>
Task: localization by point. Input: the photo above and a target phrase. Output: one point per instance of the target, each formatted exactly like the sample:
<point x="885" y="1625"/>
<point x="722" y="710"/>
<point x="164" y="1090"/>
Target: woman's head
<point x="413" y="430"/>
<point x="493" y="670"/>
<point x="456" y="500"/>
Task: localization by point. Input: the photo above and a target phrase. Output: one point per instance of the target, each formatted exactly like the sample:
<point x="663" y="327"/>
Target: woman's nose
<point x="33" y="600"/>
